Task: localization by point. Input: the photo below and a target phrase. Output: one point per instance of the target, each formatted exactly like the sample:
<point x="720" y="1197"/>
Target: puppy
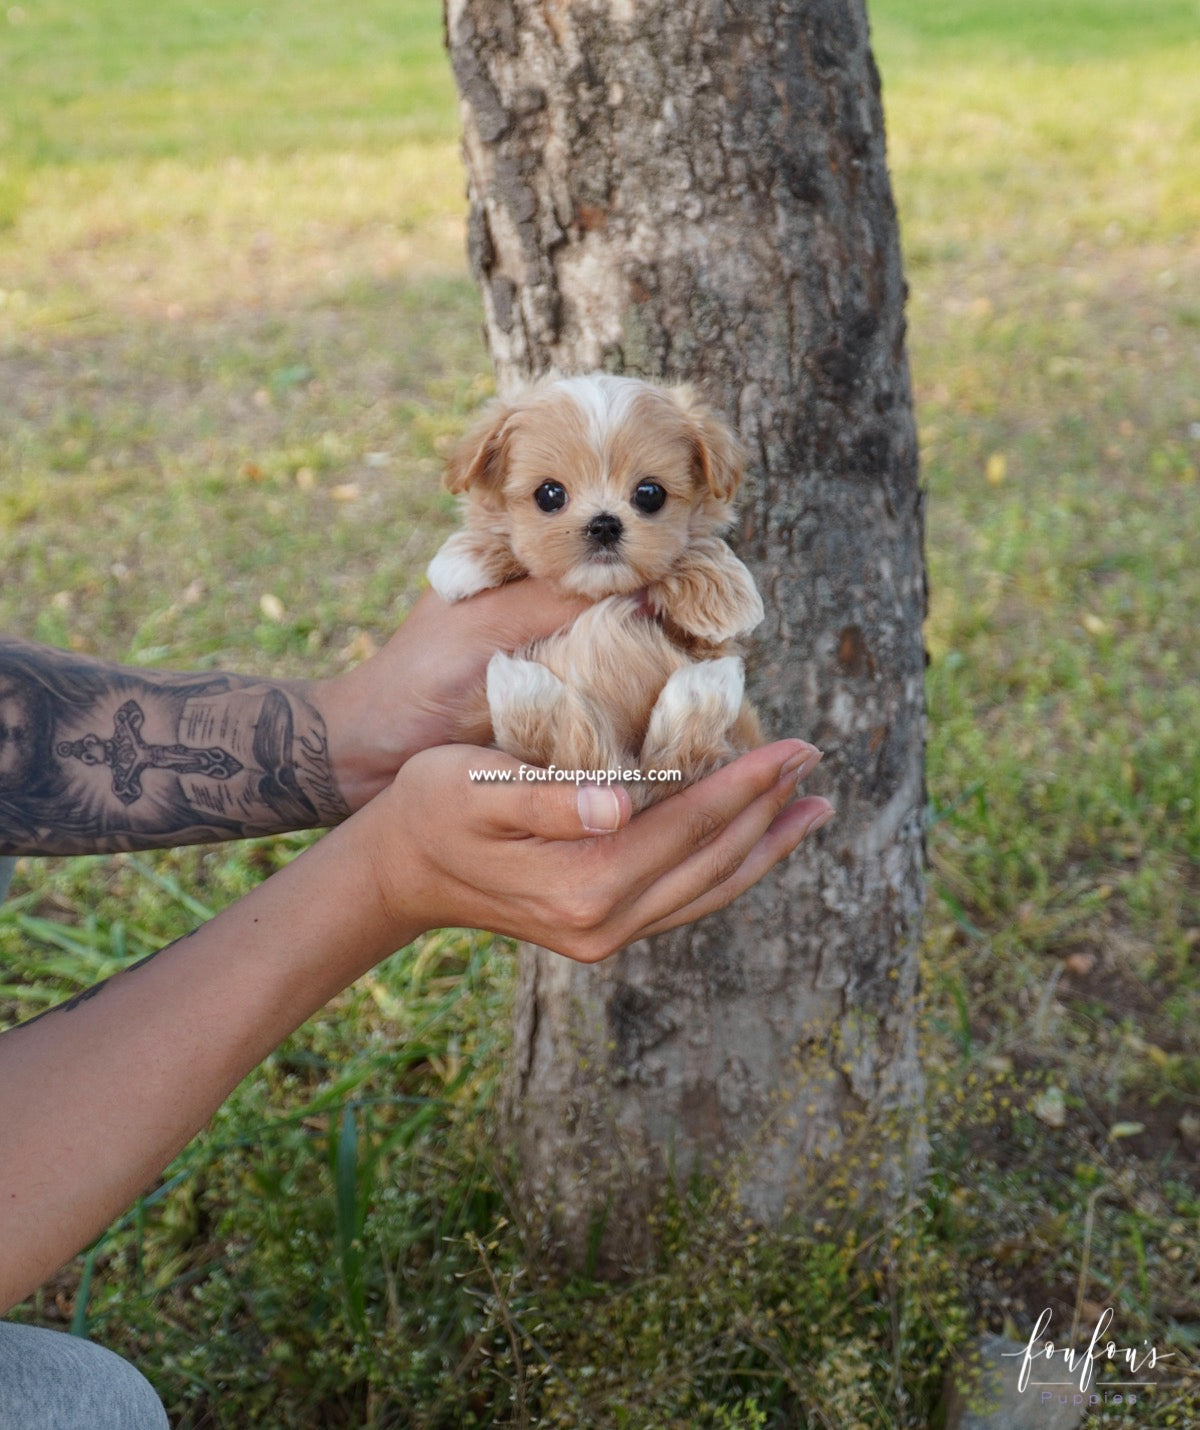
<point x="618" y="491"/>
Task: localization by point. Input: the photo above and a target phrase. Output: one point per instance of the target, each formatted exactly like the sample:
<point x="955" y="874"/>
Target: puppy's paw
<point x="710" y="595"/>
<point x="692" y="718"/>
<point x="457" y="571"/>
<point x="515" y="684"/>
<point x="524" y="699"/>
<point x="706" y="693"/>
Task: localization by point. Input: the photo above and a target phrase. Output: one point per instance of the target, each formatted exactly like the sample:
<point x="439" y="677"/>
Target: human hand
<point x="568" y="868"/>
<point x="80" y="1137"/>
<point x="411" y="695"/>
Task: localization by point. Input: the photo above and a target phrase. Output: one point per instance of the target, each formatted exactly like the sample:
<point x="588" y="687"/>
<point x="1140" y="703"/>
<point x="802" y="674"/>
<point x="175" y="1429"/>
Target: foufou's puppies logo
<point x="1083" y="1362"/>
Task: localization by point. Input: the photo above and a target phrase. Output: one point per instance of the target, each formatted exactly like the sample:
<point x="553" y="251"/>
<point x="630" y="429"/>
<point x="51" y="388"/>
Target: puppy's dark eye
<point x="551" y="496"/>
<point x="648" y="497"/>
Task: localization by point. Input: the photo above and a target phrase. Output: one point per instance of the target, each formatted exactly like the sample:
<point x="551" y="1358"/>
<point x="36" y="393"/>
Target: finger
<point x="521" y="611"/>
<point x="783" y="836"/>
<point x="543" y="808"/>
<point x="671" y="831"/>
<point x="519" y="801"/>
<point x="721" y="860"/>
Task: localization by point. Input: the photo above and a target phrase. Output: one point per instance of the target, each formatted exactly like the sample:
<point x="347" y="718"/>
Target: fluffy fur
<point x="617" y="491"/>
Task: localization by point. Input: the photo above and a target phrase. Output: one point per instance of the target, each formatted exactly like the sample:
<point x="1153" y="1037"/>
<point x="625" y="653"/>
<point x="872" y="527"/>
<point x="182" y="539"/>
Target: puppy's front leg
<point x="538" y="719"/>
<point x="471" y="561"/>
<point x="697" y="712"/>
<point x="709" y="595"/>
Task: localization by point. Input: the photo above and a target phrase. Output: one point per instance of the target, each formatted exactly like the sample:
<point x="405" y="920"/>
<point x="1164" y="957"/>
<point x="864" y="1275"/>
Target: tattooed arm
<point x="97" y="757"/>
<point x="98" y="1094"/>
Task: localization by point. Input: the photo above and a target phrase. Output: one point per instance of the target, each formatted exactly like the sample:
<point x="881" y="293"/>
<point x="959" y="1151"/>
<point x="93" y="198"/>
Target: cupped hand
<point x="569" y="868"/>
<point x="412" y="694"/>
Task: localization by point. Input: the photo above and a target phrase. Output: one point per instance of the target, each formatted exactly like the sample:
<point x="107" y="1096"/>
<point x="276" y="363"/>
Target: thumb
<point x="536" y="803"/>
<point x="518" y="800"/>
<point x="521" y="611"/>
<point x="602" y="809"/>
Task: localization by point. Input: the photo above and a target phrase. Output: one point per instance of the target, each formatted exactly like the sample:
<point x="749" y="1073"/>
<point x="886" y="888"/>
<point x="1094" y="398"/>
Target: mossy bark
<point x="697" y="190"/>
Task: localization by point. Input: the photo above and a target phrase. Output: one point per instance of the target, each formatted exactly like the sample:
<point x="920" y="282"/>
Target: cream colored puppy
<point x="617" y="491"/>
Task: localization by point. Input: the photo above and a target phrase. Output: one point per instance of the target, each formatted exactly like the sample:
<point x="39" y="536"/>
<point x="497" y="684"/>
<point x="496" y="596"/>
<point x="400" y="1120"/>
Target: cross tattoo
<point x="129" y="755"/>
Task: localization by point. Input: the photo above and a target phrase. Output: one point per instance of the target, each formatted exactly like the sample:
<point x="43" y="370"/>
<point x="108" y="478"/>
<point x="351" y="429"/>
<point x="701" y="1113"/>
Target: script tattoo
<point x="96" y="757"/>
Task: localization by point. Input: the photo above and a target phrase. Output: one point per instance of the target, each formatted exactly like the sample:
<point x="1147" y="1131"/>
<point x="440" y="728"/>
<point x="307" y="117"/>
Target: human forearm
<point x="97" y="757"/>
<point x="98" y="1094"/>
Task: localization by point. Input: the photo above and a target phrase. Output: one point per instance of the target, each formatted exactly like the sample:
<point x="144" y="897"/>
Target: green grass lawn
<point x="236" y="331"/>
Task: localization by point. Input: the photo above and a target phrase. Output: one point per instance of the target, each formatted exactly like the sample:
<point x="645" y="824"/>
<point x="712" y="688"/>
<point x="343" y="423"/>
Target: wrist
<point x="408" y="893"/>
<point x="365" y="750"/>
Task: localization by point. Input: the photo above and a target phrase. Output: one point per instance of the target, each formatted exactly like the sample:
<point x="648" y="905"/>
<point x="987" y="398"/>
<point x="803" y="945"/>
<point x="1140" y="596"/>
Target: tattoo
<point x="96" y="758"/>
<point x="68" y="1004"/>
<point x="129" y="755"/>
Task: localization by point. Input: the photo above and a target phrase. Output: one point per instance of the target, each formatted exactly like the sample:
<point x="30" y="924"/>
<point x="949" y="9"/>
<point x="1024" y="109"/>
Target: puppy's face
<point x="600" y="482"/>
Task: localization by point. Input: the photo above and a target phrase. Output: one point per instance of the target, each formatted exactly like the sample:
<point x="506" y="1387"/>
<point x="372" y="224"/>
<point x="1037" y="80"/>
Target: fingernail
<point x="801" y="762"/>
<point x="599" y="809"/>
<point x="818" y="821"/>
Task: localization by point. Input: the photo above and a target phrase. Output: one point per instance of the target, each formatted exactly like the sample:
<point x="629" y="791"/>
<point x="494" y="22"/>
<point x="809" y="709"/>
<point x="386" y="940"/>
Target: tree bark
<point x="697" y="190"/>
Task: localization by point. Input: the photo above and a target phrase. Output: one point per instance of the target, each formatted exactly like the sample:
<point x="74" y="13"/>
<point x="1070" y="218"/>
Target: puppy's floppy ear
<point x="720" y="459"/>
<point x="476" y="462"/>
<point x="480" y="556"/>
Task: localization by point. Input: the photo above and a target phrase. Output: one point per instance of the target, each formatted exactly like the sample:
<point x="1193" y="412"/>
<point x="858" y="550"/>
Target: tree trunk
<point x="697" y="190"/>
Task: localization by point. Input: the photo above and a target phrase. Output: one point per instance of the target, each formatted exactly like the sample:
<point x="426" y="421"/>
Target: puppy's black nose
<point x="604" y="529"/>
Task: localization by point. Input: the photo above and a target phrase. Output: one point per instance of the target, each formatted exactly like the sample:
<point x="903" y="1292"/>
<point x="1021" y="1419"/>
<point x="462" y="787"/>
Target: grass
<point x="235" y="332"/>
